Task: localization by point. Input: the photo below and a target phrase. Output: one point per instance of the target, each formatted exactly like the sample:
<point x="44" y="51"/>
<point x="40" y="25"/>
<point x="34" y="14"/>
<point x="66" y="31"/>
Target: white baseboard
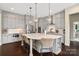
<point x="11" y="42"/>
<point x="67" y="44"/>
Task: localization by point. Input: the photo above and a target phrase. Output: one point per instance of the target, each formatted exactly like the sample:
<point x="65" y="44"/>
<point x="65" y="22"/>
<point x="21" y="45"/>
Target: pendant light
<point x="30" y="22"/>
<point x="49" y="13"/>
<point x="36" y="18"/>
<point x="51" y="27"/>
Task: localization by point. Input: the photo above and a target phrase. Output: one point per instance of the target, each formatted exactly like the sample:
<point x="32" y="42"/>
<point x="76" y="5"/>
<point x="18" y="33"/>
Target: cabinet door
<point x="58" y="41"/>
<point x="57" y="46"/>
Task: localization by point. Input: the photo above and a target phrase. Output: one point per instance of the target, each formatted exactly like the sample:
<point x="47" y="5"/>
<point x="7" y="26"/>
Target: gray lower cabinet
<point x="57" y="46"/>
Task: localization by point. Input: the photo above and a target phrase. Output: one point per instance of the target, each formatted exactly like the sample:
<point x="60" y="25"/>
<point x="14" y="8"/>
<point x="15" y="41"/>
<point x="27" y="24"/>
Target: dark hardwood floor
<point x="15" y="49"/>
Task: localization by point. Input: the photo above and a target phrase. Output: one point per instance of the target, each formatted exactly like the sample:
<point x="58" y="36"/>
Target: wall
<point x="58" y="19"/>
<point x="30" y="22"/>
<point x="0" y="27"/>
<point x="14" y="21"/>
<point x="11" y="21"/>
<point x="43" y="23"/>
<point x="68" y="11"/>
<point x="73" y="18"/>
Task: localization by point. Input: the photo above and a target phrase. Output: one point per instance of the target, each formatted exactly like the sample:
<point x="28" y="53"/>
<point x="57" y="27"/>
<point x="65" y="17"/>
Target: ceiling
<point x="42" y="8"/>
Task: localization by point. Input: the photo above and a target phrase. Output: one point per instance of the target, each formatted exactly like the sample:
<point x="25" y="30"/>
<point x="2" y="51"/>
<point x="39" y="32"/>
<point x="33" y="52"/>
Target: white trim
<point x="11" y="42"/>
<point x="73" y="10"/>
<point x="0" y="26"/>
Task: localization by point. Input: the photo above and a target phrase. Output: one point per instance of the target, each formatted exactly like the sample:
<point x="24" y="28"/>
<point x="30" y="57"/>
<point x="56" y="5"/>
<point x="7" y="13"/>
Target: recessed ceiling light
<point x="12" y="8"/>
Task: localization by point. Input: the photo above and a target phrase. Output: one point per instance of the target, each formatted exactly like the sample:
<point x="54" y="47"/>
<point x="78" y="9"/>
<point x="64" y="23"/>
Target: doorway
<point x="74" y="33"/>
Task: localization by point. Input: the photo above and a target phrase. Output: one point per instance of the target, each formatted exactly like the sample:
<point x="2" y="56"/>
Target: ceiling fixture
<point x="36" y="19"/>
<point x="51" y="21"/>
<point x="30" y="22"/>
<point x="51" y="26"/>
<point x="49" y="13"/>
